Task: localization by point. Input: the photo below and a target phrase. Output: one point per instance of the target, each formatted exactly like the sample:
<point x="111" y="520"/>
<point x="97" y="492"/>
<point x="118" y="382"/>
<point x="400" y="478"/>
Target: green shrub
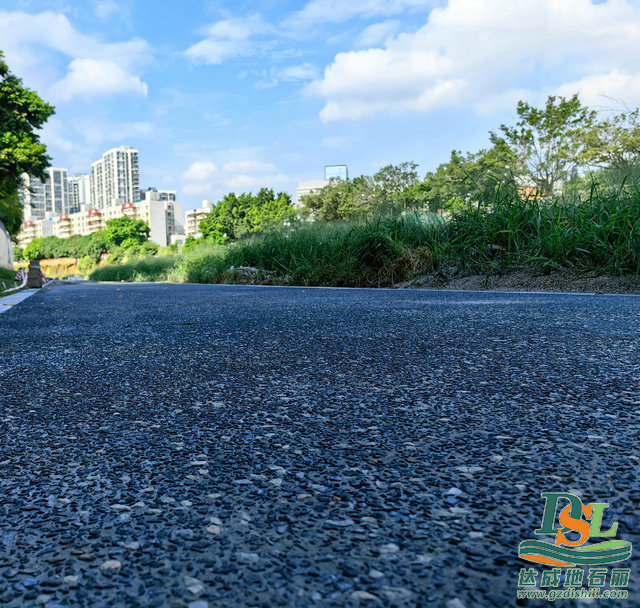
<point x="85" y="264"/>
<point x="152" y="268"/>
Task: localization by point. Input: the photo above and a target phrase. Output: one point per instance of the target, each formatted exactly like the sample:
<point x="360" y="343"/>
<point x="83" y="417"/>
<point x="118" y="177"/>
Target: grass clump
<point x="151" y="268"/>
<point x="7" y="279"/>
<point x="367" y="254"/>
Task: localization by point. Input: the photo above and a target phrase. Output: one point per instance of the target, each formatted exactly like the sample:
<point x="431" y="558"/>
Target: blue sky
<point x="222" y="96"/>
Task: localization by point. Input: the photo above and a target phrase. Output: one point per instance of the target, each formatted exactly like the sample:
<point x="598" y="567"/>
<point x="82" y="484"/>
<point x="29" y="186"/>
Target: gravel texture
<point x="531" y="280"/>
<point x="208" y="446"/>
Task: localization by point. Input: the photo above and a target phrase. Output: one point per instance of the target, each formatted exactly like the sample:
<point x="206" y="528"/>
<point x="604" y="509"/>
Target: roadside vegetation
<point x="7" y="279"/>
<point x="559" y="189"/>
<point x="599" y="234"/>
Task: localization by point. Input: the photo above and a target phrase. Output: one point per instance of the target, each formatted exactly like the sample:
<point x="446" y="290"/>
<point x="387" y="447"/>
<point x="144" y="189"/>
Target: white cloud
<point x="605" y="89"/>
<point x="33" y="45"/>
<point x="107" y="9"/>
<point x="229" y="39"/>
<point x="205" y="178"/>
<point x="248" y="166"/>
<point x="53" y="135"/>
<point x="472" y="52"/>
<point x="97" y="132"/>
<point x="96" y="78"/>
<point x="303" y="71"/>
<point x="338" y="11"/>
<point x="200" y="171"/>
<point x="377" y="33"/>
<point x="293" y="73"/>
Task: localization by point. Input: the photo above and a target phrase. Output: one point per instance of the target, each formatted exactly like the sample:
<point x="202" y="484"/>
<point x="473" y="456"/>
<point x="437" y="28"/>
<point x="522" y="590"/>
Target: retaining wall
<point x="6" y="248"/>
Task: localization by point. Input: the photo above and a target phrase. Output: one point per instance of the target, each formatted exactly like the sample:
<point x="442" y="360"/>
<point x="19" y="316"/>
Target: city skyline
<point x="233" y="98"/>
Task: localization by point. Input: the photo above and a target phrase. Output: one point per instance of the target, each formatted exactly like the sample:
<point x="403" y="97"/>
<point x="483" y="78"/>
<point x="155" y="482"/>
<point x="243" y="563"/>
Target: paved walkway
<point x="198" y="445"/>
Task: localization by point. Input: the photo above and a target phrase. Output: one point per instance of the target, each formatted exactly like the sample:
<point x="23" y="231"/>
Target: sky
<point x="233" y="96"/>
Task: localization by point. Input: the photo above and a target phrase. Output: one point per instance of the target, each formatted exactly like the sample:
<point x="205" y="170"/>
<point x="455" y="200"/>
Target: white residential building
<point x="33" y="198"/>
<point x="164" y="219"/>
<point x="79" y="193"/>
<point x="309" y="187"/>
<point x="115" y="179"/>
<point x="46" y="198"/>
<point x="152" y="194"/>
<point x="193" y="217"/>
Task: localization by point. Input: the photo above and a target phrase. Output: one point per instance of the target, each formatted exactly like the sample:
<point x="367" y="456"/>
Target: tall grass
<point x="7" y="278"/>
<point x="151" y="268"/>
<point x="371" y="253"/>
<point x="600" y="233"/>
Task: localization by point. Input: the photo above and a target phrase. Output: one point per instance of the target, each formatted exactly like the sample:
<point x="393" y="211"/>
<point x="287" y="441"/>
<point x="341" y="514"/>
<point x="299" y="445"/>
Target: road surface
<point x="202" y="445"/>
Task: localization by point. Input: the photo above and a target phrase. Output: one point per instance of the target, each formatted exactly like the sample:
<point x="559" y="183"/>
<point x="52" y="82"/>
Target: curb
<point x="9" y="302"/>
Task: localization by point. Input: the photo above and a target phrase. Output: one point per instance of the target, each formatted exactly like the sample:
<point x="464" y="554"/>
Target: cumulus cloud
<point x="230" y="39"/>
<point x="205" y="178"/>
<point x="602" y="89"/>
<point x="377" y="33"/>
<point x="97" y="78"/>
<point x="474" y="51"/>
<point x="34" y="42"/>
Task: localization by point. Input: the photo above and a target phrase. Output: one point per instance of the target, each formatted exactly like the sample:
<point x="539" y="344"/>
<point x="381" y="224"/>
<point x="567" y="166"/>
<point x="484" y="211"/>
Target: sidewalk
<point x="9" y="301"/>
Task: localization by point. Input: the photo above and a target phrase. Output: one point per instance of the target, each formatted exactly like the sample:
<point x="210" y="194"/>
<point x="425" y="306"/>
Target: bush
<point x="85" y="264"/>
<point x="117" y="254"/>
<point x="151" y="268"/>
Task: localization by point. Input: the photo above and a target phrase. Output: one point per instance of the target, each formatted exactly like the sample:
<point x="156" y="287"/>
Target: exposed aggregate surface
<point x="203" y="446"/>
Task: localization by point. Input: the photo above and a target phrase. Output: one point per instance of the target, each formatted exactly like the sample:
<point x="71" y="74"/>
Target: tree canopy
<point x="129" y="235"/>
<point x="235" y="216"/>
<point x="121" y="230"/>
<point x="392" y="189"/>
<point x="547" y="145"/>
<point x="560" y="147"/>
<point x="22" y="113"/>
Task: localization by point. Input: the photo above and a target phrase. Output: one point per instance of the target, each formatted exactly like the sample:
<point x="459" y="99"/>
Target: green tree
<point x="614" y="147"/>
<point x="336" y="200"/>
<point x="465" y="180"/>
<point x="219" y="224"/>
<point x="32" y="250"/>
<point x="22" y="113"/>
<point x="388" y="191"/>
<point x="390" y="185"/>
<point x="546" y="146"/>
<point x="98" y="244"/>
<point x="120" y="229"/>
<point x="189" y="243"/>
<point x="236" y="216"/>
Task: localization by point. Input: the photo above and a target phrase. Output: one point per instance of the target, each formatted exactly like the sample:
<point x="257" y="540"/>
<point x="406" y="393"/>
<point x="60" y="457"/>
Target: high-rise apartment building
<point x="46" y="198"/>
<point x="32" y="197"/>
<point x="115" y="179"/>
<point x="79" y="193"/>
<point x="57" y="191"/>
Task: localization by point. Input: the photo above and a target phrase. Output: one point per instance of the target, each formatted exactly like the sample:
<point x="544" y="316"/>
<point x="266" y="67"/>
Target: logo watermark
<point x="576" y="546"/>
